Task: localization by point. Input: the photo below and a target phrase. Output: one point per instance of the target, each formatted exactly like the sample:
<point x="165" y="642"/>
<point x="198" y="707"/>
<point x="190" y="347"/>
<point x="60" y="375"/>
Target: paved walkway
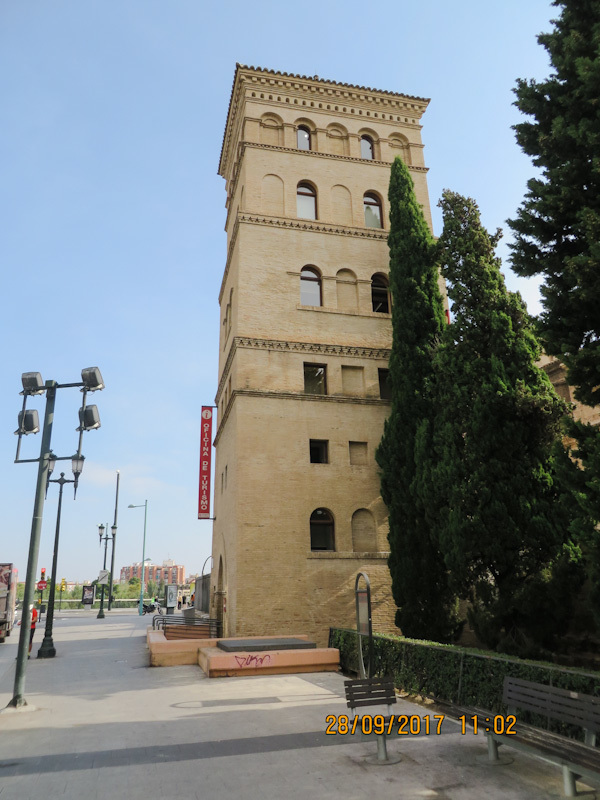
<point x="100" y="724"/>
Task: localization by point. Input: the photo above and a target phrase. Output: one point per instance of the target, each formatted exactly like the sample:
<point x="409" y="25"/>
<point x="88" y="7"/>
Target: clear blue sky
<point x="112" y="245"/>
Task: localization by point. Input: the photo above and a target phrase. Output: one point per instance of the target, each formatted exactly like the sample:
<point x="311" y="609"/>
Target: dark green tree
<point x="500" y="515"/>
<point x="419" y="579"/>
<point x="557" y="228"/>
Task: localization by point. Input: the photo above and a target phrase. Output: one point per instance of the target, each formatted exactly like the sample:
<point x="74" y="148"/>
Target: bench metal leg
<point x="381" y="749"/>
<point x="382" y="756"/>
<point x="492" y="749"/>
<point x="569" y="783"/>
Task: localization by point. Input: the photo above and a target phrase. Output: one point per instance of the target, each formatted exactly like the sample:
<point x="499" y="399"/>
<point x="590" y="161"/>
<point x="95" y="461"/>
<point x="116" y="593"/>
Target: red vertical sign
<point x="205" y="453"/>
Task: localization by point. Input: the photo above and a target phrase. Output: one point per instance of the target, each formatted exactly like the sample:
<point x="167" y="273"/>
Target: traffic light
<point x="63" y="585"/>
<point x="43" y="578"/>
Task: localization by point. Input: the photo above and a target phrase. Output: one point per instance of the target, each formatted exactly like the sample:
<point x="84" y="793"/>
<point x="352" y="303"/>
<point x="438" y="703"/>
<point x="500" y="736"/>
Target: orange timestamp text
<point x="398" y="725"/>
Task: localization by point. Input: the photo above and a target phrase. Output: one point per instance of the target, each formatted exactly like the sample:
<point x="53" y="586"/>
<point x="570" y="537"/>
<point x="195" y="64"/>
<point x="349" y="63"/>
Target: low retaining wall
<point x="175" y="652"/>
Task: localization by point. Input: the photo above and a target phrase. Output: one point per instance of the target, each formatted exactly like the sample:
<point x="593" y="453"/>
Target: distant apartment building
<point x="169" y="572"/>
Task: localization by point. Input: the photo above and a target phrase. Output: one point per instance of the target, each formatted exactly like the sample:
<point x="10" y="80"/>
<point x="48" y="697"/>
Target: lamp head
<point x="89" y="418"/>
<point x="32" y="383"/>
<point x="77" y="465"/>
<point x="92" y="379"/>
<point x="29" y="422"/>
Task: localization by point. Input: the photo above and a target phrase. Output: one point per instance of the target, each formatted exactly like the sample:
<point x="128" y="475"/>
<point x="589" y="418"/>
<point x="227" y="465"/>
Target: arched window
<point x="307" y="201"/>
<point x="380" y="295"/>
<point x="321" y="530"/>
<point x="372" y="206"/>
<point x="310" y="287"/>
<point x="366" y="148"/>
<point x="303" y="137"/>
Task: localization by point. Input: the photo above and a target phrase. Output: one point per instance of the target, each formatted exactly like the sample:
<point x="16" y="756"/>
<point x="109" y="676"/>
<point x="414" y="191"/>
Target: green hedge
<point x="457" y="675"/>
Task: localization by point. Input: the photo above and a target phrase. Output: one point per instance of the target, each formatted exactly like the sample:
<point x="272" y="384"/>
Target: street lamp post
<point x="114" y="544"/>
<point x="145" y="507"/>
<point x="89" y="419"/>
<point x="101" y="530"/>
<point x="47" y="649"/>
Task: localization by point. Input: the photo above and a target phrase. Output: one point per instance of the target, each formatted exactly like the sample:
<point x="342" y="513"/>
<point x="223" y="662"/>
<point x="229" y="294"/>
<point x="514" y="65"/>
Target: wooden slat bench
<point x="368" y="694"/>
<point x="577" y="759"/>
<point x="187" y="631"/>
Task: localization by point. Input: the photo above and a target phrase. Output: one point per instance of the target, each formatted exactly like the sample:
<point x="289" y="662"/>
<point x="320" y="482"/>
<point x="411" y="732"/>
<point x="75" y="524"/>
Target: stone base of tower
<point x="313" y="600"/>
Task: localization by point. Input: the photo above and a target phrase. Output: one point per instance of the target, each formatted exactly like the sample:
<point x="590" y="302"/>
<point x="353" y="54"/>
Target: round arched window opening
<point x="366" y="148"/>
<point x="321" y="530"/>
<point x="310" y="287"/>
<point x="380" y="294"/>
<point x="373" y="215"/>
<point x="306" y="196"/>
<point x="303" y="137"/>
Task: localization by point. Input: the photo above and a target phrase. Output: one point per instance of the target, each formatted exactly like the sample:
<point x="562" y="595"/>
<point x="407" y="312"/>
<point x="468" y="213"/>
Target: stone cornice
<point x="280" y="345"/>
<point x="319" y="154"/>
<point x="323" y="85"/>
<point x="313" y="347"/>
<point x="374" y="102"/>
<point x="315" y="226"/>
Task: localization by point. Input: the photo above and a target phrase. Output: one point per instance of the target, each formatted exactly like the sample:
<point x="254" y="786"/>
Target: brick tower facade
<point x="304" y="348"/>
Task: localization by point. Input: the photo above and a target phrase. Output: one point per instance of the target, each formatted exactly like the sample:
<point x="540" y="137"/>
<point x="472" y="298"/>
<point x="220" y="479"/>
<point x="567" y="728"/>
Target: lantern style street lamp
<point x="101" y="530"/>
<point x="145" y="507"/>
<point x="47" y="649"/>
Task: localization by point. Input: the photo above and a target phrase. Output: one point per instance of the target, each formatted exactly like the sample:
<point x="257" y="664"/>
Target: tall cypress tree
<point x="557" y="228"/>
<point x="499" y="514"/>
<point x="419" y="577"/>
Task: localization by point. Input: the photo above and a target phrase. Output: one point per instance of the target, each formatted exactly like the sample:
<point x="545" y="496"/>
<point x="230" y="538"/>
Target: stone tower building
<point x="304" y="348"/>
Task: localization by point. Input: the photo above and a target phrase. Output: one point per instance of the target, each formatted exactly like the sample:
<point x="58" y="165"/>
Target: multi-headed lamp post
<point x="47" y="649"/>
<point x="89" y="419"/>
<point x="145" y="507"/>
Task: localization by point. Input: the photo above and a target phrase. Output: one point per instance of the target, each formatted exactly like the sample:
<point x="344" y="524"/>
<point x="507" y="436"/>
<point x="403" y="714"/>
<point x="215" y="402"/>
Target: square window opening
<point x="315" y="379"/>
<point x="385" y="390"/>
<point x="319" y="451"/>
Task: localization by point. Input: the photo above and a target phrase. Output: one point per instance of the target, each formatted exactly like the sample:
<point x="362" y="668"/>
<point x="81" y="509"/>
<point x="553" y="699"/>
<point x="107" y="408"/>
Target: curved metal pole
<point x="364" y="673"/>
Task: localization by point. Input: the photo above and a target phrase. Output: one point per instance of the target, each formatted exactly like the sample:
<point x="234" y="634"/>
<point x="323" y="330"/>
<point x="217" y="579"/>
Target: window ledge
<point x="327" y="310"/>
<point x="347" y="554"/>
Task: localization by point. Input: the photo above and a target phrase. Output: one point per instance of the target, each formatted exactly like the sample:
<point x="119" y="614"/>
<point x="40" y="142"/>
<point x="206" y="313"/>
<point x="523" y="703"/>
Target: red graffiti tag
<point x="252" y="661"/>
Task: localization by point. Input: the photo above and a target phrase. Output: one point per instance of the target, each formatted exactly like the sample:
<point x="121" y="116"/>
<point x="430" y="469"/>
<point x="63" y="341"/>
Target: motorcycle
<point x="151" y="608"/>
